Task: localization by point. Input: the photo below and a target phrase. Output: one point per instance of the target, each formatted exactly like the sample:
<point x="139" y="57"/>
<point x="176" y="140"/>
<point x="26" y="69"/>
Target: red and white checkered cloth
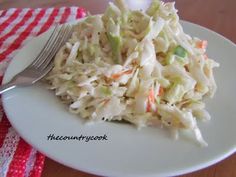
<point x="17" y="26"/>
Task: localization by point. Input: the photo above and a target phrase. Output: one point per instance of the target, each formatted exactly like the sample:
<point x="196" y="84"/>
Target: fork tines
<point x="58" y="37"/>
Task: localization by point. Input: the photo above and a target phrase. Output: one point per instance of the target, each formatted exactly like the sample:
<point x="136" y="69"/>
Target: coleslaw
<point x="137" y="66"/>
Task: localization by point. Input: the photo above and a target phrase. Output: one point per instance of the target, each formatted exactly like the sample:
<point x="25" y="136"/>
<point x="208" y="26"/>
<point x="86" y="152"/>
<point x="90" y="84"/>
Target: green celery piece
<point x="115" y="42"/>
<point x="158" y="100"/>
<point x="105" y="90"/>
<point x="180" y="51"/>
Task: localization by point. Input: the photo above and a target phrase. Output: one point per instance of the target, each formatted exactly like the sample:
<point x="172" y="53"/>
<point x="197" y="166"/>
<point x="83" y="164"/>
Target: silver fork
<point x="43" y="63"/>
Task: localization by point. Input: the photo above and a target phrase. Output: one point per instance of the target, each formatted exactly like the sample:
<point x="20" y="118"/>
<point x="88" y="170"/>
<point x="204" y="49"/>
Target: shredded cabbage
<point x="135" y="66"/>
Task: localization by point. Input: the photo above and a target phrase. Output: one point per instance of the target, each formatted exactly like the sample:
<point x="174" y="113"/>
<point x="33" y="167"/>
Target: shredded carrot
<point x="151" y="99"/>
<point x="128" y="71"/>
<point x="148" y="109"/>
<point x="105" y="101"/>
<point x="201" y="44"/>
<point x="118" y="75"/>
<point x="161" y="91"/>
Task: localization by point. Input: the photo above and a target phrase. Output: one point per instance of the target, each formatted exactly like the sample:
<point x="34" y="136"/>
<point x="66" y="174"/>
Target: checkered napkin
<point x="17" y="27"/>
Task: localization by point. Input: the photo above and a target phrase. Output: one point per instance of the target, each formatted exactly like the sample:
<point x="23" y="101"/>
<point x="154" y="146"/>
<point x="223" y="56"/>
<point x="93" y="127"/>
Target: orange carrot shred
<point x="151" y="95"/>
<point x="151" y="99"/>
<point x="118" y="75"/>
<point x="148" y="109"/>
<point x="161" y="91"/>
<point x="201" y="44"/>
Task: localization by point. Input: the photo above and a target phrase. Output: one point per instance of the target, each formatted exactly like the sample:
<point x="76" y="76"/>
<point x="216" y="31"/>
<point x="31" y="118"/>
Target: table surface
<point x="217" y="15"/>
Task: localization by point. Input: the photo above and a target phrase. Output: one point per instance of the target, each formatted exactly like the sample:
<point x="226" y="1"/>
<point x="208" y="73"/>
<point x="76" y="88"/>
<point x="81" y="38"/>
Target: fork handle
<point x="6" y="87"/>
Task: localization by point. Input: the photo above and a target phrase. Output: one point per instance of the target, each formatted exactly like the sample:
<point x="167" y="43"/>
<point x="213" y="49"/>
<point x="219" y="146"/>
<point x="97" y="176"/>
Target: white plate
<point x="35" y="113"/>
